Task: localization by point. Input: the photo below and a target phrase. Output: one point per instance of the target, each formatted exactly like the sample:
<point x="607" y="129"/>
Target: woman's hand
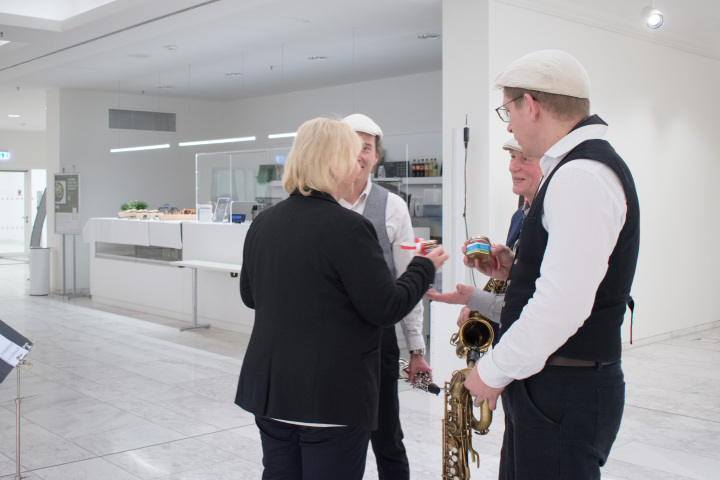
<point x="437" y="255"/>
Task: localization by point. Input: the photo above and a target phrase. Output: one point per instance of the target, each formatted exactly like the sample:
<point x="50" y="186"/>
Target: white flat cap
<point x="512" y="145"/>
<point x="363" y="123"/>
<point x="550" y="71"/>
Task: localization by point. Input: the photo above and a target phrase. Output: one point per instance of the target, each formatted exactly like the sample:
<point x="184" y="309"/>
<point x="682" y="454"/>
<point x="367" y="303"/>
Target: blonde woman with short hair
<point x="315" y="275"/>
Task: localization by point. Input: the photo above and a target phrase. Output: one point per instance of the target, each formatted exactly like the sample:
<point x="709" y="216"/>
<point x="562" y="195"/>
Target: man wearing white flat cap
<point x="557" y="364"/>
<point x="389" y="214"/>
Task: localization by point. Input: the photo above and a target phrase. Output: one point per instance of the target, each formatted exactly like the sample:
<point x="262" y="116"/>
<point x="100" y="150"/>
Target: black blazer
<point x="315" y="274"/>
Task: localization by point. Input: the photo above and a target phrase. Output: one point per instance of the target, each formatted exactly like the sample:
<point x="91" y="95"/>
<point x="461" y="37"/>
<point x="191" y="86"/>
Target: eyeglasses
<point x="503" y="112"/>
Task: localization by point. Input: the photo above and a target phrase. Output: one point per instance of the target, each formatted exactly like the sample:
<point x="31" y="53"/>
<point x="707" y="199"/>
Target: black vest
<point x="375" y="211"/>
<point x="598" y="339"/>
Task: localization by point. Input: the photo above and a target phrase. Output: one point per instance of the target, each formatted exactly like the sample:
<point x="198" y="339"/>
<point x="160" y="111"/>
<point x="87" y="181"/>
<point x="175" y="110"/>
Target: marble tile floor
<point x="114" y="394"/>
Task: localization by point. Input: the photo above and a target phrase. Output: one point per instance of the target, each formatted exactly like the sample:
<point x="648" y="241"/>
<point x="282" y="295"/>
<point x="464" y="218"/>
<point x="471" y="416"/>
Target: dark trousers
<point x="297" y="452"/>
<point x="387" y="440"/>
<point x="561" y="422"/>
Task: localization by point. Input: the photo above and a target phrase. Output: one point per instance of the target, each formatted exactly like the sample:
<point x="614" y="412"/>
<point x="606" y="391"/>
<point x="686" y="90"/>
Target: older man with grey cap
<point x="557" y="364"/>
<point x="389" y="214"/>
<point x="526" y="176"/>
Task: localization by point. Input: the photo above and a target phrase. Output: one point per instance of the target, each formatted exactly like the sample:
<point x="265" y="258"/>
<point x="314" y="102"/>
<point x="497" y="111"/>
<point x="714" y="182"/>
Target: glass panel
<point x="12" y="221"/>
<point x="243" y="175"/>
<point x="421" y="188"/>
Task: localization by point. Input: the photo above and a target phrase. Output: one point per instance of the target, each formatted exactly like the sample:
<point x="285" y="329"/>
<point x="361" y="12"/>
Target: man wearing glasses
<point x="557" y="364"/>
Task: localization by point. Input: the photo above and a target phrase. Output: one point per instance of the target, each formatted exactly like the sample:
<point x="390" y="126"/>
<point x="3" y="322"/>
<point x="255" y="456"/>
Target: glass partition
<point x="412" y="168"/>
<point x="243" y="175"/>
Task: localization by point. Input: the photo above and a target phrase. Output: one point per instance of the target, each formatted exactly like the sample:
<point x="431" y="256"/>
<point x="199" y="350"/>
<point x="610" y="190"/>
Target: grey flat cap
<point x="550" y="71"/>
<point x="512" y="145"/>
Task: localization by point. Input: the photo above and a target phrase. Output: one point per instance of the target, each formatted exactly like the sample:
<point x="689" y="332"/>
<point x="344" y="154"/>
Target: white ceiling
<point x="186" y="48"/>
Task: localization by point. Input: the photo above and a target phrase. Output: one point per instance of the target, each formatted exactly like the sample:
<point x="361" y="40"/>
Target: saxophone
<point x="472" y="342"/>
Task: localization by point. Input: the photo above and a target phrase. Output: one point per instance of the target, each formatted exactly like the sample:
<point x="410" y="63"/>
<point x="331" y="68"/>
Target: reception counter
<point x="143" y="265"/>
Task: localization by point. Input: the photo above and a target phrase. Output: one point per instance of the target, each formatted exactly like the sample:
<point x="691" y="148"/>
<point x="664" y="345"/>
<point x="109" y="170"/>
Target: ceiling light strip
<point x="282" y="135"/>
<point x="135" y="149"/>
<point x="152" y="20"/>
<point x="212" y="142"/>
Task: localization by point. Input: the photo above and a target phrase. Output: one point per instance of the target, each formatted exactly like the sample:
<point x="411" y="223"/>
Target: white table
<point x="232" y="268"/>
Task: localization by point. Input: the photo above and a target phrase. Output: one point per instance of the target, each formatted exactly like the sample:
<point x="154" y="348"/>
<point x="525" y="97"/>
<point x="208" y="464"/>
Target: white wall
<point x="660" y="105"/>
<point x="406" y="108"/>
<point x="27" y="148"/>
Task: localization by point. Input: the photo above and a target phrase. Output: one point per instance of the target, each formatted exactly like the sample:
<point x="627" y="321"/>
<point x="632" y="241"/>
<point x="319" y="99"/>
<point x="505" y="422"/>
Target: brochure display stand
<point x="13" y="349"/>
<point x="67" y="218"/>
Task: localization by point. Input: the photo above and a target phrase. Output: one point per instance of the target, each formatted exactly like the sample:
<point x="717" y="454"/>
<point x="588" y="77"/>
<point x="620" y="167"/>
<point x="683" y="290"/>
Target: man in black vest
<point x="389" y="215"/>
<point x="557" y="364"/>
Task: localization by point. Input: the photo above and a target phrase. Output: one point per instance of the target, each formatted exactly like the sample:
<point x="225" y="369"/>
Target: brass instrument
<point x="472" y="342"/>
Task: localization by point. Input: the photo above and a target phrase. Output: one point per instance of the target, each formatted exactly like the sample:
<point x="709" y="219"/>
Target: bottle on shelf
<point x="436" y="169"/>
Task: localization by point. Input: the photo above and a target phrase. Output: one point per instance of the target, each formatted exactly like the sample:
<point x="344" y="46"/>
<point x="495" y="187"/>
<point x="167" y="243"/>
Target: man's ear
<point x="533" y="106"/>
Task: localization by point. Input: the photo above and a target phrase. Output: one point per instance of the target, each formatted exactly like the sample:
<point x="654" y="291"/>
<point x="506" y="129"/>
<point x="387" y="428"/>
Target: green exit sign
<point x="5" y="155"/>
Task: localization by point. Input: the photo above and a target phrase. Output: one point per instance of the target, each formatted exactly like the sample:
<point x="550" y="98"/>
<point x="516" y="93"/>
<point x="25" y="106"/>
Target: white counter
<point x="161" y="288"/>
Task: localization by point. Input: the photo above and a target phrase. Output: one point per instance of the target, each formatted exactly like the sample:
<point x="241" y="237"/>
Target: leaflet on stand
<point x="13" y="348"/>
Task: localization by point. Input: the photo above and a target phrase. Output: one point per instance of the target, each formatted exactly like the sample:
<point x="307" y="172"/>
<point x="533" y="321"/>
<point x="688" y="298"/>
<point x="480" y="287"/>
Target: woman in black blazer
<point x="315" y="274"/>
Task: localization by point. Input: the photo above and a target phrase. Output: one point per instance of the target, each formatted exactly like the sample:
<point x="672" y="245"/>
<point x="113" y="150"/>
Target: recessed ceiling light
<point x="166" y="87"/>
<point x="3" y="42"/>
<point x="653" y="17"/>
<point x="428" y="36"/>
<point x="138" y="55"/>
<point x="317" y="58"/>
<point x="12" y="115"/>
<point x="233" y="74"/>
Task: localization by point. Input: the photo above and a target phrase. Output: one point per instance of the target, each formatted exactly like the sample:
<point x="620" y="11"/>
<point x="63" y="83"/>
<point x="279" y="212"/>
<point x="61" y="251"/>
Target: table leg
<point x="194" y="303"/>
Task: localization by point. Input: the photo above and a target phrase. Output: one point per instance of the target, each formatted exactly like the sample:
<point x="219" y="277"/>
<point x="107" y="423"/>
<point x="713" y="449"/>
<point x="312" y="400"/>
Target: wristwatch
<point x="419" y="351"/>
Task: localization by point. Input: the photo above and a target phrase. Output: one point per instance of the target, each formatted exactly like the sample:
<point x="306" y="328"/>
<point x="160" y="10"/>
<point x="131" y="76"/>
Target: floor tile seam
<point x="166" y="343"/>
<point x="690" y="452"/>
<point x="646" y="469"/>
<point x="221" y="447"/>
<point x="685" y="392"/>
<point x="665" y="412"/>
<point x="186" y="437"/>
<point x="164" y="443"/>
<point x="95" y="457"/>
<point x="174" y="474"/>
<point x="104" y="402"/>
<point x="183" y="412"/>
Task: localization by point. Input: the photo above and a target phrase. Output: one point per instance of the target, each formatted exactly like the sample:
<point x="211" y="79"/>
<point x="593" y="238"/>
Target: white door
<point x="13" y="219"/>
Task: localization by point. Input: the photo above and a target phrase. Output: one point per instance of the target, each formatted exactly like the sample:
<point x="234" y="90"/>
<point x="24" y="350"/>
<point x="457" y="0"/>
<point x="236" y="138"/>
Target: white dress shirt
<point x="583" y="213"/>
<point x="399" y="230"/>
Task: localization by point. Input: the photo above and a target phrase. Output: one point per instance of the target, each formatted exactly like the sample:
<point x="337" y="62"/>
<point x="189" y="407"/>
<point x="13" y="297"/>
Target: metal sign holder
<point x="22" y="364"/>
<point x="63" y="231"/>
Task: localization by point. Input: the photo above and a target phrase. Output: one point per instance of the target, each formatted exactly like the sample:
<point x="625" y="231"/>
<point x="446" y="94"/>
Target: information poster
<point x="67" y="202"/>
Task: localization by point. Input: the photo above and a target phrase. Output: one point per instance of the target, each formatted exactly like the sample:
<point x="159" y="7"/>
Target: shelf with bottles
<point x="425" y="168"/>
